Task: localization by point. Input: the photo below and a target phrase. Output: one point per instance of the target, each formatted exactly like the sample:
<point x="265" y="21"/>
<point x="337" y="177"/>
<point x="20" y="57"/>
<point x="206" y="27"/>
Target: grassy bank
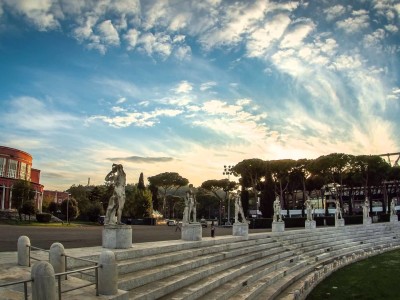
<point x="373" y="278"/>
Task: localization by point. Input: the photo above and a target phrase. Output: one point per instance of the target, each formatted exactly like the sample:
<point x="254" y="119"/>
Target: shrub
<point x="43" y="217"/>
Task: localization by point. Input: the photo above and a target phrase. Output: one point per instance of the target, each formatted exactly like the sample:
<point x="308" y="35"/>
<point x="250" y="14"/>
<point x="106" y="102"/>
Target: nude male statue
<point x="277" y="210"/>
<point x="239" y="208"/>
<point x="117" y="178"/>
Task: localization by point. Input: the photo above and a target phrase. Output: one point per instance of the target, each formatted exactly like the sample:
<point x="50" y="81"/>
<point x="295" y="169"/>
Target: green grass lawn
<point x="372" y="278"/>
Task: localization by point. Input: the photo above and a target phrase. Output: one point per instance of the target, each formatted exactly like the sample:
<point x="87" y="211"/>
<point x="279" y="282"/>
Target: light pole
<point x="67" y="209"/>
<point x="228" y="171"/>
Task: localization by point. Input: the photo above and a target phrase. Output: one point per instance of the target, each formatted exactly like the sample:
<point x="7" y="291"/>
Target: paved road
<point x="88" y="236"/>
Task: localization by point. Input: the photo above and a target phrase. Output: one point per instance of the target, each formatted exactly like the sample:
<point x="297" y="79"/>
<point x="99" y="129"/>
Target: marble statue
<point x="309" y="210"/>
<point x="185" y="219"/>
<point x="366" y="208"/>
<point x="191" y="198"/>
<point x="338" y="211"/>
<point x="393" y="211"/>
<point x="117" y="179"/>
<point x="277" y="210"/>
<point x="239" y="208"/>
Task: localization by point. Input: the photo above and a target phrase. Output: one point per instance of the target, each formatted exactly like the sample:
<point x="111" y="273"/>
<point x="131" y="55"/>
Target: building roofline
<point x="15" y="149"/>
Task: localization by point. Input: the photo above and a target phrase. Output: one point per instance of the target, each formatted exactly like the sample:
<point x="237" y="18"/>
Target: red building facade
<point x="15" y="165"/>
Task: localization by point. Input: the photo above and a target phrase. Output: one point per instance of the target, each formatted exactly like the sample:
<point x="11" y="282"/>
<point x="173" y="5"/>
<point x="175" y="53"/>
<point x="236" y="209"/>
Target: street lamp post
<point x="228" y="171"/>
<point x="68" y="209"/>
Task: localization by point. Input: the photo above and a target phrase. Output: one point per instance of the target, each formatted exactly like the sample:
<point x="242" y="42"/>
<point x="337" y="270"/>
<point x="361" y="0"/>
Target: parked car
<point x="101" y="220"/>
<point x="171" y="222"/>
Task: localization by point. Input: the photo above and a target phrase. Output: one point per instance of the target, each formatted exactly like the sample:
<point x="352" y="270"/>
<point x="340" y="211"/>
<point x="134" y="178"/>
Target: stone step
<point x="229" y="281"/>
<point x="170" y="284"/>
<point x="133" y="280"/>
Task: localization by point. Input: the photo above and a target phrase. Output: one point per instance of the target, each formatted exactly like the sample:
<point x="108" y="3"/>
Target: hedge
<point x="43" y="218"/>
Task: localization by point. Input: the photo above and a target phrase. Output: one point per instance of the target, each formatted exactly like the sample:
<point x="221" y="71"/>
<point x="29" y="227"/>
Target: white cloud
<point x="117" y="109"/>
<point x="343" y="62"/>
<point x="374" y="39"/>
<point x="183" y="87"/>
<point x="358" y="22"/>
<point x="108" y="33"/>
<point x="158" y="43"/>
<point x="207" y="85"/>
<point x="27" y="113"/>
<point x="131" y="37"/>
<point x="334" y="12"/>
<point x="135" y="118"/>
<point x="42" y="13"/>
<point x="391" y="28"/>
<point x="121" y="100"/>
<point x="183" y="52"/>
<point x="261" y="39"/>
<point x="294" y="38"/>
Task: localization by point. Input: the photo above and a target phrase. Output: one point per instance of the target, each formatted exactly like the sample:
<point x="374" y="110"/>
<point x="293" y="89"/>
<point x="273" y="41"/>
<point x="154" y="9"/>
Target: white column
<point x="10" y="198"/>
<point x="3" y="197"/>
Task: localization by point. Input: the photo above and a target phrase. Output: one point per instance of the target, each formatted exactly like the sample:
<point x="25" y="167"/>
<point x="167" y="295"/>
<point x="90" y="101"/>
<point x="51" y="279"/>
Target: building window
<point x="28" y="172"/>
<point x="2" y="166"/>
<point x="12" y="168"/>
<point x="22" y="174"/>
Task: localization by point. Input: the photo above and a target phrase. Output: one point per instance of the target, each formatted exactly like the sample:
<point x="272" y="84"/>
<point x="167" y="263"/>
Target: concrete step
<point x="226" y="283"/>
<point x="170" y="284"/>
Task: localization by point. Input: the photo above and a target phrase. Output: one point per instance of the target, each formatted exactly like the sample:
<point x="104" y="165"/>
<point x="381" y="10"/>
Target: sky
<point x="190" y="86"/>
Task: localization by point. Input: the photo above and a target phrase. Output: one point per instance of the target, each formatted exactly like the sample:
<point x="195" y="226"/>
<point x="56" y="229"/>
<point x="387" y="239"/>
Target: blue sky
<point x="191" y="86"/>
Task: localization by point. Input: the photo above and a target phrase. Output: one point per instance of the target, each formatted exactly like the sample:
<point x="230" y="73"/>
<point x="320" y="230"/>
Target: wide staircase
<point x="265" y="266"/>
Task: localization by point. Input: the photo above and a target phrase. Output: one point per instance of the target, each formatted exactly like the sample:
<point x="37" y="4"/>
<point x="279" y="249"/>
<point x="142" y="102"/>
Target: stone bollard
<point x="44" y="281"/>
<point x="108" y="275"/>
<point x="23" y="250"/>
<point x="57" y="257"/>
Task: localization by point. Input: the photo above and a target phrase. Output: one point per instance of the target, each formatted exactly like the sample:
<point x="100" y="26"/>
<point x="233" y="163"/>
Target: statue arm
<point x="109" y="175"/>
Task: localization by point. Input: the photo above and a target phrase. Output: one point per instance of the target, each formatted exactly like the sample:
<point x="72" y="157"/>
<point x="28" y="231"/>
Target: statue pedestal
<point x="240" y="229"/>
<point x="367" y="221"/>
<point x="394" y="219"/>
<point x="278" y="226"/>
<point x="191" y="232"/>
<point x="339" y="222"/>
<point x="310" y="224"/>
<point x="117" y="236"/>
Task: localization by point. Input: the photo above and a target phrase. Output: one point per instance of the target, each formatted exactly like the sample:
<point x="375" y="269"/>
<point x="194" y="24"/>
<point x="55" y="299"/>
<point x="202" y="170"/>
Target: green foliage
<point x="138" y="203"/>
<point x="73" y="210"/>
<point x="53" y="208"/>
<point x="28" y="208"/>
<point x="22" y="192"/>
<point x="43" y="217"/>
<point x="94" y="211"/>
<point x="141" y="185"/>
<point x="81" y="194"/>
<point x="167" y="181"/>
<point x="207" y="204"/>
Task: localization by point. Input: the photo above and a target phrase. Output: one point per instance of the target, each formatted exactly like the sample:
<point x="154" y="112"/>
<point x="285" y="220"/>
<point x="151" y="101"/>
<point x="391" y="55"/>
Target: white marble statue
<point x="191" y="198"/>
<point x="277" y="210"/>
<point x="338" y="211"/>
<point x="239" y="208"/>
<point x="393" y="211"/>
<point x="309" y="210"/>
<point x="117" y="179"/>
<point x="366" y="208"/>
<point x="185" y="219"/>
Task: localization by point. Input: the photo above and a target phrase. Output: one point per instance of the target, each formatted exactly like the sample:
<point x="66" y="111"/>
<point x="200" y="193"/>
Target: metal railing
<point x="25" y="282"/>
<point x="29" y="253"/>
<point x="59" y="275"/>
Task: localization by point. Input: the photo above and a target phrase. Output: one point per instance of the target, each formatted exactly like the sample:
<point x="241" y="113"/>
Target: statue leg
<point x="119" y="211"/>
<point x="110" y="209"/>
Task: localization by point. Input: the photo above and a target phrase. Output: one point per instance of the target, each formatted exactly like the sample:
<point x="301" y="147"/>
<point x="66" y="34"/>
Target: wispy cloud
<point x="31" y="114"/>
<point x="141" y="159"/>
